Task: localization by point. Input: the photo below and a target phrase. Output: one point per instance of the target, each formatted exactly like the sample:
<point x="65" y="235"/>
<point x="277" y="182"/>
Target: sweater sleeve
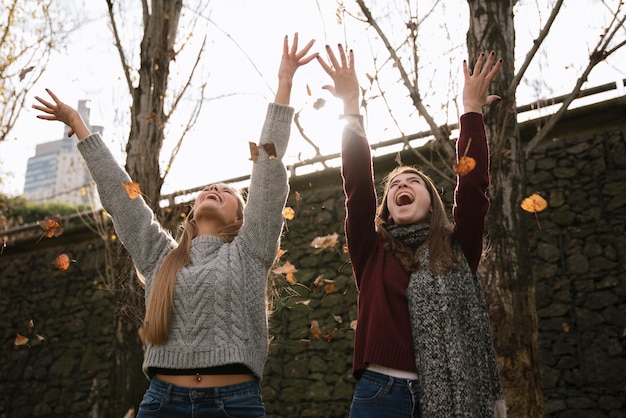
<point x="267" y="194"/>
<point x="134" y="221"/>
<point x="358" y="183"/>
<point x="471" y="202"/>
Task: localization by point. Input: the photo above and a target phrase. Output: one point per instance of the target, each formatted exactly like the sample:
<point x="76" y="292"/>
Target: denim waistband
<point x="222" y="392"/>
<point x="384" y="379"/>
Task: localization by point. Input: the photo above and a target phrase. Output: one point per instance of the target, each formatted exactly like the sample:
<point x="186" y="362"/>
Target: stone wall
<point x="579" y="260"/>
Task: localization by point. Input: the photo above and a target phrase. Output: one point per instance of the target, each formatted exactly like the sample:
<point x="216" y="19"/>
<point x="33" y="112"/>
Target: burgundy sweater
<point x="383" y="335"/>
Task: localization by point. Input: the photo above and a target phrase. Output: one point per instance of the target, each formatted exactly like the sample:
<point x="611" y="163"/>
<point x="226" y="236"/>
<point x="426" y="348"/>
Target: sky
<point x="243" y="54"/>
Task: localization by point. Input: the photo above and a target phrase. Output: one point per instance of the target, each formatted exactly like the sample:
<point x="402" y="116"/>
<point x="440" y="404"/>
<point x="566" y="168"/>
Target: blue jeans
<point x="379" y="395"/>
<point x="163" y="399"/>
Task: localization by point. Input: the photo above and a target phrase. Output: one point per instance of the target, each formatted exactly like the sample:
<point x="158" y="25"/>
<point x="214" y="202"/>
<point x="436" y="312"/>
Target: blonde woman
<point x="205" y="327"/>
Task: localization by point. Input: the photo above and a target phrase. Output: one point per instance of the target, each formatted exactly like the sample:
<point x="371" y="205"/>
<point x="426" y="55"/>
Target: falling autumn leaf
<point x="279" y="253"/>
<point x="566" y="327"/>
<point x="329" y="287"/>
<point x="329" y="335"/>
<point x="52" y="226"/>
<point x="315" y="329"/>
<point x="304" y="343"/>
<point x="464" y="166"/>
<point x="269" y="149"/>
<point x="152" y="116"/>
<point x="328" y="241"/>
<point x="62" y="262"/>
<point x="25" y="71"/>
<point x="298" y="197"/>
<point x="132" y="189"/>
<point x="308" y="90"/>
<point x="288" y="270"/>
<point x="319" y="103"/>
<point x="289" y="213"/>
<point x="534" y="203"/>
<point x="353" y="324"/>
<point x="338" y="319"/>
<point x="20" y="340"/>
<point x="304" y="302"/>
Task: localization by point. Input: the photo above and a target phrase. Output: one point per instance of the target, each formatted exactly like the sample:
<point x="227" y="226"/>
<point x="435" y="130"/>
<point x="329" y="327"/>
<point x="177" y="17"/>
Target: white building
<point x="57" y="171"/>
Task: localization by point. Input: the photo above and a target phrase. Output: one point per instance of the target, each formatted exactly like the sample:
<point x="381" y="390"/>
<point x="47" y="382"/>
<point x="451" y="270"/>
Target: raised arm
<point x="134" y="221"/>
<point x="356" y="160"/>
<point x="268" y="189"/>
<point x="471" y="202"/>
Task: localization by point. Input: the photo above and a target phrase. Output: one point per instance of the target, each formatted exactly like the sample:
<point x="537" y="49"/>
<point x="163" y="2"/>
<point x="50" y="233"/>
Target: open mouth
<point x="213" y="196"/>
<point x="403" y="199"/>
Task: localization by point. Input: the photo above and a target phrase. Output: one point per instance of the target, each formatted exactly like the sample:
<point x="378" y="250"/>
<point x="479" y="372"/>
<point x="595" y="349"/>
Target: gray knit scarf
<point x="454" y="355"/>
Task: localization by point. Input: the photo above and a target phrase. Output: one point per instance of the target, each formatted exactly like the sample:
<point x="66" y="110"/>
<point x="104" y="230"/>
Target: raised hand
<point x="342" y="72"/>
<point x="290" y="61"/>
<point x="476" y="84"/>
<point x="64" y="113"/>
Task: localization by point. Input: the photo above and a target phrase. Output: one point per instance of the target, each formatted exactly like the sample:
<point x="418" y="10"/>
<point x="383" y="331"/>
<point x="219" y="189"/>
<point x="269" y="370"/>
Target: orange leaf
<point x="304" y="343"/>
<point x="289" y="213"/>
<point x="152" y="116"/>
<point x="62" y="262"/>
<point x="534" y="203"/>
<point x="464" y="166"/>
<point x="20" y="340"/>
<point x="269" y="149"/>
<point x="279" y="253"/>
<point x="315" y="329"/>
<point x="52" y="226"/>
<point x="329" y="287"/>
<point x="254" y="152"/>
<point x="285" y="268"/>
<point x="291" y="278"/>
<point x="132" y="189"/>
<point x="308" y="90"/>
<point x="329" y="335"/>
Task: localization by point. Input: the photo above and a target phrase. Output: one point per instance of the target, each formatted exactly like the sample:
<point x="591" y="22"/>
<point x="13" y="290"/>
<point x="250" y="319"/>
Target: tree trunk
<point x="507" y="275"/>
<point x="147" y="117"/>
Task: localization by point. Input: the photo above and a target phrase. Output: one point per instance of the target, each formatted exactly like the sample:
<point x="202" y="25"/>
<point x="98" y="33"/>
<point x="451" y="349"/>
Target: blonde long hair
<point x="160" y="301"/>
<point x="440" y="228"/>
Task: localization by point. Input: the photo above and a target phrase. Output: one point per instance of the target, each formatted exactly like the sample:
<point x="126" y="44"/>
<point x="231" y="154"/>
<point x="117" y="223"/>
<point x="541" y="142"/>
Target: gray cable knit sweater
<point x="219" y="314"/>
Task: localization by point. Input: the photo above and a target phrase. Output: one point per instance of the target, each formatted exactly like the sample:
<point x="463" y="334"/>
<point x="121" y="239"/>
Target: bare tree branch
<point x="120" y="49"/>
<point x="439" y="134"/>
<point x="533" y="51"/>
<point x="599" y="54"/>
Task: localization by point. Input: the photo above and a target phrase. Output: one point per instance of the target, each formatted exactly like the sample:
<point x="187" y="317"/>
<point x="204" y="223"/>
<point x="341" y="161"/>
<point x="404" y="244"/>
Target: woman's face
<point x="408" y="200"/>
<point x="218" y="203"/>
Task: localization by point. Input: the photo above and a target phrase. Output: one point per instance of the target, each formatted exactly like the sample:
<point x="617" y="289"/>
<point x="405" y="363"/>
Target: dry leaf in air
<point x="20" y="340"/>
<point x="328" y="241"/>
<point x="534" y="203"/>
<point x="289" y="213"/>
<point x="62" y="262"/>
<point x="132" y="189"/>
<point x="52" y="226"/>
<point x="315" y="329"/>
<point x="464" y="166"/>
<point x="288" y="270"/>
<point x="269" y="148"/>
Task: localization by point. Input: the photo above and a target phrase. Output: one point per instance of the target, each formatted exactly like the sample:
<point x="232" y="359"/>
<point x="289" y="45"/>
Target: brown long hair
<point x="160" y="301"/>
<point x="440" y="228"/>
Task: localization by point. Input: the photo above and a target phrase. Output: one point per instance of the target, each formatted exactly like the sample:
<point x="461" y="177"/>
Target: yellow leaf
<point x="289" y="213"/>
<point x="534" y="203"/>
